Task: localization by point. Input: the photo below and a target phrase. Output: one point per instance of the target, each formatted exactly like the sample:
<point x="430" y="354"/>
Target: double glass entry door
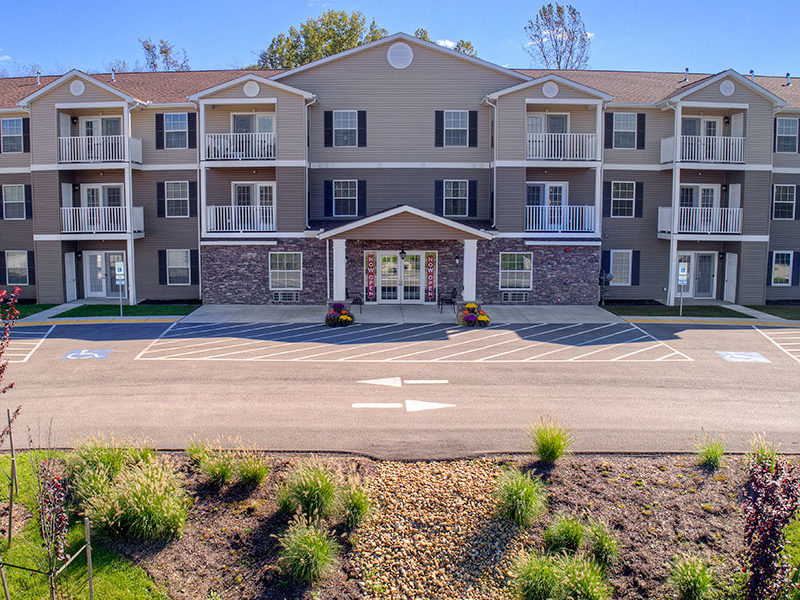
<point x="99" y="274"/>
<point x="394" y="280"/>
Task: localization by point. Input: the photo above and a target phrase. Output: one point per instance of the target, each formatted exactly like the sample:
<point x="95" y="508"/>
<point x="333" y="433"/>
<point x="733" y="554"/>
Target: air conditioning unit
<point x="515" y="297"/>
<point x="285" y="297"/>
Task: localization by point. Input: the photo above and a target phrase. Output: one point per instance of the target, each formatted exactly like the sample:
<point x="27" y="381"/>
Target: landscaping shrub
<point x="762" y="450"/>
<point x="197" y="451"/>
<point x="218" y="467"/>
<point x="691" y="579"/>
<point x="307" y="552"/>
<point x="520" y="498"/>
<point x="534" y="577"/>
<point x="550" y="439"/>
<point x="710" y="452"/>
<point x="252" y="469"/>
<point x="310" y="489"/>
<point x="356" y="506"/>
<point x="603" y="547"/>
<point x="581" y="579"/>
<point x="564" y="534"/>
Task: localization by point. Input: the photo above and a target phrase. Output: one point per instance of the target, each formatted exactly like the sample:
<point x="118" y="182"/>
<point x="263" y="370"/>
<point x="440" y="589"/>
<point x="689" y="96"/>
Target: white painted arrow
<point x="411" y="405"/>
<point x="397" y="382"/>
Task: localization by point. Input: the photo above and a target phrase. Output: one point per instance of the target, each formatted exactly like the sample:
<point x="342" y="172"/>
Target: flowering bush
<point x="338" y="316"/>
<point x="473" y="316"/>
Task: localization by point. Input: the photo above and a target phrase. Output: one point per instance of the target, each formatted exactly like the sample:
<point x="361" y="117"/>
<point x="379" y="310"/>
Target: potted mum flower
<point x="338" y="316"/>
<point x="473" y="316"/>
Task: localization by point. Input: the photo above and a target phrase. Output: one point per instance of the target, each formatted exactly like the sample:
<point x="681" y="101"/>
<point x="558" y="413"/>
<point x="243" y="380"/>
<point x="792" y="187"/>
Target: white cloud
<point x="589" y="34"/>
<point x="5" y="57"/>
<point x="446" y="43"/>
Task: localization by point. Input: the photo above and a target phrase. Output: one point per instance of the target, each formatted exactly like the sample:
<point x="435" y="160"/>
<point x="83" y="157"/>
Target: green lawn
<point x="672" y="311"/>
<point x="793" y="542"/>
<point x="114" y="577"/>
<point x="785" y="311"/>
<point x="137" y="310"/>
<point x="25" y="310"/>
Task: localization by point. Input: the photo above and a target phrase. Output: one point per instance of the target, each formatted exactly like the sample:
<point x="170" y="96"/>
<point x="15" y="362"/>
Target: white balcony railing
<point x="96" y="219"/>
<point x="99" y="149"/>
<point x="560" y="219"/>
<point x="704" y="148"/>
<point x="701" y="220"/>
<point x="237" y="219"/>
<point x="239" y="146"/>
<point x="562" y="146"/>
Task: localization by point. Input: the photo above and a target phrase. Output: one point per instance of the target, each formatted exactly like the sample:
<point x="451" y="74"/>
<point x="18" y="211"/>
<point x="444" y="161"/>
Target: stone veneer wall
<point x="240" y="274"/>
<point x="559" y="277"/>
<point x="450" y="274"/>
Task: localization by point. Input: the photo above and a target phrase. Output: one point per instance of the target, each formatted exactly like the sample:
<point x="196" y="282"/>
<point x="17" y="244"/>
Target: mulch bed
<point x="434" y="533"/>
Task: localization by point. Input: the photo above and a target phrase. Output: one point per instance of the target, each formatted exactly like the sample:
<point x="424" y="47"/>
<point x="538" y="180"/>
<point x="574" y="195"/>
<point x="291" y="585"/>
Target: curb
<point x="100" y="321"/>
<point x="700" y="321"/>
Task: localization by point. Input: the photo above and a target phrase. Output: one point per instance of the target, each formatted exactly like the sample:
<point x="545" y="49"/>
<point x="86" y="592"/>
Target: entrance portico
<point x="404" y="256"/>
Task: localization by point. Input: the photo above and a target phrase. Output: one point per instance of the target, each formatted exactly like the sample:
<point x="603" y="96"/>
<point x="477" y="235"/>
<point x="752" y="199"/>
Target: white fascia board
<point x="711" y="237"/>
<point x="67" y="105"/>
<point x="66" y="77"/>
<point x="690" y="166"/>
<point x="635" y="167"/>
<point x="570" y="101"/>
<point x="399" y="165"/>
<point x="565" y="242"/>
<point x="712" y="104"/>
<point x="240" y="243"/>
<point x="55" y="237"/>
<point x="15" y="111"/>
<point x="644" y="105"/>
<point x="13" y="170"/>
<point x="221" y="101"/>
<point x="167" y="105"/>
<point x="252" y="77"/>
<point x="250" y="164"/>
<point x="171" y="167"/>
<point x="739" y="78"/>
<point x="253" y="235"/>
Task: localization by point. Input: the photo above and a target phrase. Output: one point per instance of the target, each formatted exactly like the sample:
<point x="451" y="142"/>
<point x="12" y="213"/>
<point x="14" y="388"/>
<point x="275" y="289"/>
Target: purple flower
<point x="338" y="306"/>
<point x="470" y="318"/>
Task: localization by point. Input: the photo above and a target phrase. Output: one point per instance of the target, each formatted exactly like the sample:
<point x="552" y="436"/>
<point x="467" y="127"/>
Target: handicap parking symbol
<point x="751" y="357"/>
<point x="86" y="354"/>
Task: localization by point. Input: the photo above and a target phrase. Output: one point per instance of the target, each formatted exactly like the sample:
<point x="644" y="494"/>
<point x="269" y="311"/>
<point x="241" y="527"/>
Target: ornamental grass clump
<point x="311" y="490"/>
<point x="218" y="467"/>
<point x="581" y="578"/>
<point x="520" y="498"/>
<point x="356" y="505"/>
<point x="564" y="535"/>
<point x="534" y="577"/>
<point x="710" y="452"/>
<point x="252" y="469"/>
<point x="691" y="579"/>
<point x="602" y="545"/>
<point x="307" y="552"/>
<point x="550" y="439"/>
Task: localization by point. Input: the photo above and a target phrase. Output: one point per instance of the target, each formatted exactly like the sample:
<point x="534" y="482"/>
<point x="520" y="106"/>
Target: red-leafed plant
<point x="8" y="315"/>
<point x="51" y="505"/>
<point x="771" y="498"/>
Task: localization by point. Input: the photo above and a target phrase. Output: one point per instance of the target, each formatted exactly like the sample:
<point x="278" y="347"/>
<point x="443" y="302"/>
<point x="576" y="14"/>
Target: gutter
<point x="306" y="142"/>
<point x="494" y="159"/>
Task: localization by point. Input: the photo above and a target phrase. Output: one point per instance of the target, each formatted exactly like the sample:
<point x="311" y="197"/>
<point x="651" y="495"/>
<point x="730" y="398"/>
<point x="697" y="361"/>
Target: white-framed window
<point x="456" y="127"/>
<point x="624" y="130"/>
<point x="345" y="128"/>
<point x="17" y="267"/>
<point x="621" y="261"/>
<point x="286" y="270"/>
<point x="14" y="202"/>
<point x="345" y="198"/>
<point x="783" y="200"/>
<point x="782" y="267"/>
<point x="178" y="267"/>
<point x="252" y="123"/>
<point x="11" y="135"/>
<point x="176" y="195"/>
<point x="253" y="193"/>
<point x="786" y="135"/>
<point x="622" y="198"/>
<point x="516" y="270"/>
<point x="176" y="130"/>
<point x="94" y="195"/>
<point x="456" y="197"/>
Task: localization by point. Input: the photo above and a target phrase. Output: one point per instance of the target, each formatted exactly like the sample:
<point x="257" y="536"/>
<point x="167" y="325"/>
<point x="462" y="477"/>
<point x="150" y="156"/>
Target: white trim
<point x="712" y="237"/>
<point x="405" y="208"/>
<point x="690" y="166"/>
<point x="66" y="77"/>
<point x="256" y="198"/>
<point x="712" y="104"/>
<point x="391" y="165"/>
<point x="407" y="38"/>
<point x="269" y="269"/>
<point x="66" y="237"/>
<point x="14" y="170"/>
<point x="27" y="266"/>
<point x="15" y="111"/>
<point x="166" y="201"/>
<point x="634" y="167"/>
<point x="549" y="164"/>
<point x="796" y="135"/>
<point x="72" y="105"/>
<point x="644" y="105"/>
<point x="226" y="101"/>
<point x="556" y="78"/>
<point x="249" y="164"/>
<point x="471" y="269"/>
<point x="500" y="273"/>
<point x="772" y="274"/>
<point x="334" y="128"/>
<point x="734" y="75"/>
<point x="780" y="170"/>
<point x="614" y="130"/>
<point x="445" y="128"/>
<point x="167" y="105"/>
<point x="170" y="167"/>
<point x="444" y="198"/>
<point x="775" y="187"/>
<point x="572" y="101"/>
<point x="188" y="266"/>
<point x="339" y="269"/>
<point x="257" y="234"/>
<point x="241" y="243"/>
<point x="172" y="113"/>
<point x="24" y="204"/>
<point x="333" y="198"/>
<point x="629" y="283"/>
<point x="20" y="135"/>
<point x="251" y="77"/>
<point x="561" y="243"/>
<point x="633" y="201"/>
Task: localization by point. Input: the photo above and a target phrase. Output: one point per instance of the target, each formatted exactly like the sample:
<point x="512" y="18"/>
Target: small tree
<point x="163" y="56"/>
<point x="771" y="498"/>
<point x="9" y="315"/>
<point x="557" y="38"/>
<point x="463" y="46"/>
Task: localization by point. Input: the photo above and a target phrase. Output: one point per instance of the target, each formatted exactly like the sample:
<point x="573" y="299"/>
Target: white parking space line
<point x="655" y="339"/>
<point x="29" y="345"/>
<point x="482" y="347"/>
<point x="586" y="343"/>
<point x="179" y="339"/>
<point x="452" y="345"/>
<point x="488" y="358"/>
<point x="790" y="352"/>
<point x="436" y="327"/>
<point x="605" y="348"/>
<point x="372" y="352"/>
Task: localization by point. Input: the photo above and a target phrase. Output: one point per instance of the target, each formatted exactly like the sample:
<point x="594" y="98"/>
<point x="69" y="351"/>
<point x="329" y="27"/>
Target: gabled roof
<point x="405" y="208"/>
<point x="75" y="73"/>
<point x="555" y="78"/>
<point x="404" y="37"/>
<point x="722" y="75"/>
<point x="251" y="77"/>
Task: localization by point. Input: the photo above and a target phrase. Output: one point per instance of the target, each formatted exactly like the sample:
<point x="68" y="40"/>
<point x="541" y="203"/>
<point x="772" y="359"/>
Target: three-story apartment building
<point x="398" y="171"/>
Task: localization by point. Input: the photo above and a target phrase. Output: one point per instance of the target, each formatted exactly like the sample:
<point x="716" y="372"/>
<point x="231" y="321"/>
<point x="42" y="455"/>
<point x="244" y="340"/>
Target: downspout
<point x="305" y="147"/>
<point x="328" y="268"/>
<point x="494" y="159"/>
<point x="200" y="216"/>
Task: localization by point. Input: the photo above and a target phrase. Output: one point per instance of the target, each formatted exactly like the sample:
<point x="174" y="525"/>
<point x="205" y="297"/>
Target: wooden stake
<point x="88" y="530"/>
<point x="5" y="583"/>
<point x="10" y="503"/>
<point x="13" y="454"/>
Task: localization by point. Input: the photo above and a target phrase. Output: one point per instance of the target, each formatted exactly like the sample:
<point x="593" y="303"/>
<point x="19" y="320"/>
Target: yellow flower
<point x="345" y="318"/>
<point x="483" y="318"/>
<point x="471" y="306"/>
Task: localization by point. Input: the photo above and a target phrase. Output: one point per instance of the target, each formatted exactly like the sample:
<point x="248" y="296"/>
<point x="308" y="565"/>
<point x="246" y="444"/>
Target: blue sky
<point x="704" y="35"/>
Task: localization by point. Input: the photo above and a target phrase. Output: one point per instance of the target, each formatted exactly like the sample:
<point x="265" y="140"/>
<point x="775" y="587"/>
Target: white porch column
<point x="598" y="200"/>
<point x="599" y="132"/>
<point x="672" y="284"/>
<point x="470" y="269"/>
<point x="339" y="270"/>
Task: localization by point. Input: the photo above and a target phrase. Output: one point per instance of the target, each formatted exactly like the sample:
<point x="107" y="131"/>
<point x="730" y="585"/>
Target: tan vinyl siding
<point x="752" y="273"/>
<point x="784" y="235"/>
<point x="786" y="159"/>
<point x="46" y="192"/>
<point x="143" y="126"/>
<point x="291" y="199"/>
<point x="218" y="117"/>
<point x="17" y="235"/>
<point x="49" y="272"/>
<point x="405" y="227"/>
<point x="10" y="160"/>
<point x="580" y="183"/>
<point x="658" y="125"/>
<point x="564" y="92"/>
<point x="219" y="182"/>
<point x="510" y="203"/>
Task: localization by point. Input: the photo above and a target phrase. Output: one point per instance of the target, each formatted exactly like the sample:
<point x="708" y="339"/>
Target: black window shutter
<point x="606" y="198"/>
<point x="638" y="199"/>
<point x="473" y="129"/>
<point x="192" y="198"/>
<point x="28" y="201"/>
<point x="605" y="261"/>
<point x="472" y="198"/>
<point x="1" y="203"/>
<point x="635" y="259"/>
<point x="362" y="197"/>
<point x="2" y="268"/>
<point x="769" y="268"/>
<point x="194" y="266"/>
<point x="438" y="128"/>
<point x="159" y="131"/>
<point x="161" y="200"/>
<point x="328" y="193"/>
<point x="362" y="129"/>
<point x="31" y="268"/>
<point x="641" y="119"/>
<point x="162" y="267"/>
<point x="798" y="136"/>
<point x="796" y="269"/>
<point x="328" y="118"/>
<point x="608" y="138"/>
<point x="26" y="134"/>
<point x="438" y="197"/>
<point x="796" y="202"/>
<point x="191" y="125"/>
<point x="775" y="134"/>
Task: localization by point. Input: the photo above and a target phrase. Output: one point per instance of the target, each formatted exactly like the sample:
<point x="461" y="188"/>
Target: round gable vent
<point x="550" y="89"/>
<point x="251" y="89"/>
<point x="399" y="55"/>
<point x="726" y="88"/>
<point x="77" y="87"/>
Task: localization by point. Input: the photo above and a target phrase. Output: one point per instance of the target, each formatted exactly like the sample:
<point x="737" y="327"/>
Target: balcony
<point x="702" y="220"/>
<point x="99" y="149"/>
<point x="239" y="146"/>
<point x="560" y="219"/>
<point x="561" y="146"/>
<point x="704" y="149"/>
<point x="101" y="219"/>
<point x="240" y="219"/>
